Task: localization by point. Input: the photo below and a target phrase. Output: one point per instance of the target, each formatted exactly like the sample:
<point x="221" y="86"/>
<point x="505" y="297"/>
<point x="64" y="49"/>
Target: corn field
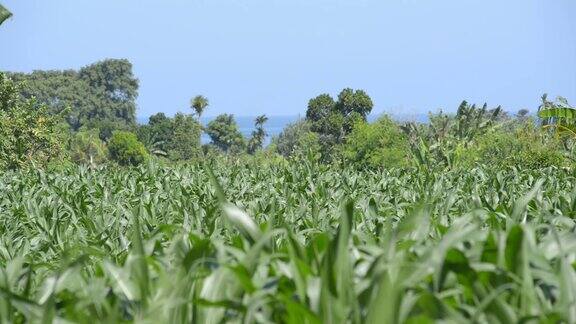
<point x="298" y="243"/>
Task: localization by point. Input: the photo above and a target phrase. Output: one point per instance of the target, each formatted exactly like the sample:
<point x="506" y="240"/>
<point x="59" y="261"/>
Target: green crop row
<point x="293" y="243"/>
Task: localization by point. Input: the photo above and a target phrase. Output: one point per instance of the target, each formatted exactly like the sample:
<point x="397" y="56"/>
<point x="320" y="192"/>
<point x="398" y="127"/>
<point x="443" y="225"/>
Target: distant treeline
<point x="99" y="94"/>
<point x="89" y="117"/>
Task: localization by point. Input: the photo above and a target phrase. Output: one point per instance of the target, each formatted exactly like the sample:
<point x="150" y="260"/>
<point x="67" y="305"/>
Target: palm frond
<point x="4" y="14"/>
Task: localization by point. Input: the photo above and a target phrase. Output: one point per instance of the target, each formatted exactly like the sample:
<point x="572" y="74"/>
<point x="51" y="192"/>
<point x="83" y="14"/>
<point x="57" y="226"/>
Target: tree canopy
<point x="225" y="135"/>
<point x="177" y="138"/>
<point x="334" y="120"/>
<point x="103" y="92"/>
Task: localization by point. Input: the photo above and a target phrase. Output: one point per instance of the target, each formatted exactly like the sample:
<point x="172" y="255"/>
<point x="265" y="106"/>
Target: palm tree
<point x="260" y="120"/>
<point x="4" y="14"/>
<point x="199" y="104"/>
<point x="257" y="140"/>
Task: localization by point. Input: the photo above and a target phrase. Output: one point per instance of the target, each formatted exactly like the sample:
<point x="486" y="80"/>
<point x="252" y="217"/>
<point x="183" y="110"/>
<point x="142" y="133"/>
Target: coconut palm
<point x="258" y="135"/>
<point x="199" y="104"/>
<point x="260" y="120"/>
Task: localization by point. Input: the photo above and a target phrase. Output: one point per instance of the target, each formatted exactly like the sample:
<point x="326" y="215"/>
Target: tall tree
<point x="260" y="121"/>
<point x="334" y="120"/>
<point x="100" y="94"/>
<point x="184" y="143"/>
<point x="256" y="142"/>
<point x="354" y="102"/>
<point x="157" y="134"/>
<point x="177" y="138"/>
<point x="225" y="134"/>
<point x="320" y="107"/>
<point x="199" y="104"/>
<point x="114" y="87"/>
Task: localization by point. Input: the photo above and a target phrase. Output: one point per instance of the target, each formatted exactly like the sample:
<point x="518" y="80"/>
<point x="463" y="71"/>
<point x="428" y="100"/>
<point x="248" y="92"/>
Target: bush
<point x="29" y="133"/>
<point x="376" y="145"/>
<point x="86" y="147"/>
<point x="297" y="139"/>
<point x="125" y="149"/>
<point x="525" y="146"/>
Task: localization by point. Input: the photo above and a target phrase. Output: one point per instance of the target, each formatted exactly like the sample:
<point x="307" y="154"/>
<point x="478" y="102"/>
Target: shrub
<point x="525" y="146"/>
<point x="86" y="147"/>
<point x="29" y="134"/>
<point x="125" y="149"/>
<point x="297" y="139"/>
<point x="376" y="145"/>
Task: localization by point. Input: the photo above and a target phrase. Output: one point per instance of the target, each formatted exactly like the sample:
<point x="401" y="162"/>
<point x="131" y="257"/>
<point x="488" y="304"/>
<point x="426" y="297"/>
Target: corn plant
<point x="287" y="243"/>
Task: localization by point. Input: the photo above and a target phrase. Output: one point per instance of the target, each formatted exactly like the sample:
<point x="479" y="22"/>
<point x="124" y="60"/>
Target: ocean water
<point x="276" y="124"/>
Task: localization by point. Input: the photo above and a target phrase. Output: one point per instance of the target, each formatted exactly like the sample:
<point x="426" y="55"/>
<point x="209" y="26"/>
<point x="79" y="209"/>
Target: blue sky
<point x="271" y="56"/>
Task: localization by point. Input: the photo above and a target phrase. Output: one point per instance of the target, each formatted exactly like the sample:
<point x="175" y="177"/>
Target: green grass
<point x="287" y="243"/>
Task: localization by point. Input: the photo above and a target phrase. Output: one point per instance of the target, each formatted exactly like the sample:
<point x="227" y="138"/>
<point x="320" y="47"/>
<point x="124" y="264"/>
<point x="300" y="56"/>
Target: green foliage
<point x="125" y="149"/>
<point x="381" y="144"/>
<point x="320" y="107"/>
<point x="524" y="146"/>
<point x="107" y="127"/>
<point x="177" y="138"/>
<point x="256" y="142"/>
<point x="354" y="102"/>
<point x="28" y="133"/>
<point x="199" y="105"/>
<point x="435" y="145"/>
<point x="4" y="14"/>
<point x="225" y="135"/>
<point x="559" y="116"/>
<point x="104" y="92"/>
<point x="297" y="138"/>
<point x="87" y="148"/>
<point x="184" y="140"/>
<point x="157" y="134"/>
<point x="334" y="120"/>
<point x="287" y="243"/>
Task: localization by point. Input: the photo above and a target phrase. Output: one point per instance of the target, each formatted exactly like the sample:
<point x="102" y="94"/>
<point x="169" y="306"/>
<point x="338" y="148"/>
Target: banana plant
<point x="436" y="143"/>
<point x="558" y="115"/>
<point x="4" y="14"/>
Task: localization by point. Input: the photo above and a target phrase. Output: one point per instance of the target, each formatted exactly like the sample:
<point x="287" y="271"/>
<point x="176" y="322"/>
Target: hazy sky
<point x="271" y="56"/>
